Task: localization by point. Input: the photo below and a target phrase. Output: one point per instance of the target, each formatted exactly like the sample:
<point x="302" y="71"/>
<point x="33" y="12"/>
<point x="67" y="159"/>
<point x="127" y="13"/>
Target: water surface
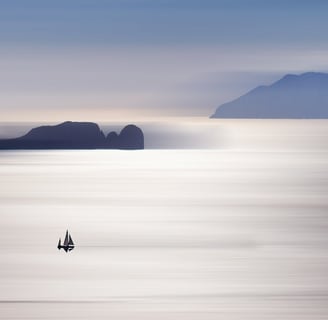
<point x="227" y="233"/>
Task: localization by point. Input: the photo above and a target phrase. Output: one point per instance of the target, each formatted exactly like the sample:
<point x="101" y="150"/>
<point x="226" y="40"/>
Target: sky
<point x="114" y="60"/>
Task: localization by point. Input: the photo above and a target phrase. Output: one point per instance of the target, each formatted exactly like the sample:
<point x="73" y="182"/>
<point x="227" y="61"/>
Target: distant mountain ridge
<point x="76" y="135"/>
<point x="303" y="96"/>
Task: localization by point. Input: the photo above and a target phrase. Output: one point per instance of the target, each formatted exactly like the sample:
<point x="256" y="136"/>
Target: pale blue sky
<point x="86" y="59"/>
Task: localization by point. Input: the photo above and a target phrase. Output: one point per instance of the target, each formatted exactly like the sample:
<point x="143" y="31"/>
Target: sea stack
<point x="131" y="137"/>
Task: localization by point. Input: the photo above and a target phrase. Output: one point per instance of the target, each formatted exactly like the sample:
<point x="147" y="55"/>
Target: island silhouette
<point x="303" y="96"/>
<point x="77" y="135"/>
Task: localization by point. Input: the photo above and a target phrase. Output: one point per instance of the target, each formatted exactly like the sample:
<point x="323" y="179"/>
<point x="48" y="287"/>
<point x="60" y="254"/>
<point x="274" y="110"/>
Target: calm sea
<point x="233" y="232"/>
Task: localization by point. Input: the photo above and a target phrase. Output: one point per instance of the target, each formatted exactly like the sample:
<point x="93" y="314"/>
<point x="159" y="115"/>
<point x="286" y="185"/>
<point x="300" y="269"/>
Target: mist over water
<point x="234" y="231"/>
<point x="205" y="133"/>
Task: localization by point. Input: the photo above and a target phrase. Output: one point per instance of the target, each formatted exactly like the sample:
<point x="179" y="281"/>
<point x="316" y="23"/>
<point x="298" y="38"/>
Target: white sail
<point x="70" y="241"/>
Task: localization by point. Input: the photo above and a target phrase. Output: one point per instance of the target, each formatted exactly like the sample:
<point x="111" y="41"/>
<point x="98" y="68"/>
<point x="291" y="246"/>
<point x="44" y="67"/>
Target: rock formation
<point x="76" y="135"/>
<point x="302" y="96"/>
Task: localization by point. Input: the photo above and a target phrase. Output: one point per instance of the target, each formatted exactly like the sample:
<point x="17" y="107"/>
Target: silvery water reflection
<point x="165" y="234"/>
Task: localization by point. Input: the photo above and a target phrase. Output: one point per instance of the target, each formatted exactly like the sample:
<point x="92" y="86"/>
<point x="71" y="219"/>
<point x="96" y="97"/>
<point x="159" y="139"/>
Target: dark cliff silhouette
<point x="302" y="96"/>
<point x="131" y="137"/>
<point x="77" y="135"/>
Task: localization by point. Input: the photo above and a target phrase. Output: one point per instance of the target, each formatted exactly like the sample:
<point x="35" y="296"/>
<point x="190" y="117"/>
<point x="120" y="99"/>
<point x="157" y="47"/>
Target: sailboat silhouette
<point x="68" y="244"/>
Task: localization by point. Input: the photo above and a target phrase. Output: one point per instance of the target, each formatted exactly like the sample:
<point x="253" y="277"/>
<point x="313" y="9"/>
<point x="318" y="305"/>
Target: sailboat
<point x="68" y="244"/>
